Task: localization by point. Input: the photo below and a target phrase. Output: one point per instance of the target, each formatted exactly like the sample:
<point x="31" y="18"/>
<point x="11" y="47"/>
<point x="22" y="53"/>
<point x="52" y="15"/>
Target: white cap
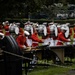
<point x="2" y="34"/>
<point x="45" y="23"/>
<point x="18" y="23"/>
<point x="25" y="23"/>
<point x="26" y="33"/>
<point x="35" y="24"/>
<point x="67" y="24"/>
<point x="6" y="21"/>
<point x="51" y="23"/>
<point x="3" y="23"/>
<point x="28" y="22"/>
<point x="58" y="26"/>
<point x="62" y="28"/>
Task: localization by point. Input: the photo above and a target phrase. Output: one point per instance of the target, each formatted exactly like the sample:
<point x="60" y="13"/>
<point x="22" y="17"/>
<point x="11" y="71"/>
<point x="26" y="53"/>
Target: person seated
<point x="35" y="39"/>
<point x="61" y="38"/>
<point x="21" y="40"/>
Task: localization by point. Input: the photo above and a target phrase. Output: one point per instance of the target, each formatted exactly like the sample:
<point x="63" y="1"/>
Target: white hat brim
<point x="26" y="33"/>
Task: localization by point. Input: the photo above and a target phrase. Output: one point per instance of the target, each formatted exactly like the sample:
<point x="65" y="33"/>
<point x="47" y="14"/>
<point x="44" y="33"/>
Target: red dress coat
<point x="21" y="31"/>
<point x="48" y="30"/>
<point x="35" y="40"/>
<point x="21" y="40"/>
<point x="74" y="32"/>
<point x="61" y="39"/>
<point x="71" y="31"/>
<point x="6" y="27"/>
<point x="59" y="30"/>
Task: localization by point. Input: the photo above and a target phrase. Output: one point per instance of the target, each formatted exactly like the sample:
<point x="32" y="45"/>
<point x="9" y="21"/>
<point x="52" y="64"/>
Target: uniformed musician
<point x="52" y="29"/>
<point x="61" y="38"/>
<point x="21" y="40"/>
<point x="35" y="38"/>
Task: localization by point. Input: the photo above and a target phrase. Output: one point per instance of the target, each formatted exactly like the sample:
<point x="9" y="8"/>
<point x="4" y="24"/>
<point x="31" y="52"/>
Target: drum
<point x="14" y="29"/>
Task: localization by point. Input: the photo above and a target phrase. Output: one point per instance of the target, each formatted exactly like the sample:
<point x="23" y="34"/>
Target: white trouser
<point x="74" y="41"/>
<point x="47" y="41"/>
<point x="52" y="42"/>
<point x="29" y="41"/>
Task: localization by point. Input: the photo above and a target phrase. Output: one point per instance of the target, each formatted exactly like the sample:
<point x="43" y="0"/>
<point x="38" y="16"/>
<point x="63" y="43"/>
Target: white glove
<point x="28" y="48"/>
<point x="24" y="47"/>
<point x="69" y="40"/>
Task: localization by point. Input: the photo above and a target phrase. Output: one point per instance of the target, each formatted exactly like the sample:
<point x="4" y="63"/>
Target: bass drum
<point x="13" y="64"/>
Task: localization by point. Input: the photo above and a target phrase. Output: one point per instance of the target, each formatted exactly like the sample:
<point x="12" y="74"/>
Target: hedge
<point x="40" y="20"/>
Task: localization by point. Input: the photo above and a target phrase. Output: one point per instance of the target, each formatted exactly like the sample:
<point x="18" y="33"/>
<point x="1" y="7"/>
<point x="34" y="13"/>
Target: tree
<point x="22" y="8"/>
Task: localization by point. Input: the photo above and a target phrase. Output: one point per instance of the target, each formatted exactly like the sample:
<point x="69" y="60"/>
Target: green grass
<point x="52" y="70"/>
<point x="62" y="69"/>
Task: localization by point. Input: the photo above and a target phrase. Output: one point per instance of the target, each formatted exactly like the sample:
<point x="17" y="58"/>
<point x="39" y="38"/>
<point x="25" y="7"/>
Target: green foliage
<point x="22" y="8"/>
<point x="72" y="21"/>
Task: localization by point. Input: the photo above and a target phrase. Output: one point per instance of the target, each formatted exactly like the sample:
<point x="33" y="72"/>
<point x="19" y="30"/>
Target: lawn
<point x="51" y="70"/>
<point x="63" y="69"/>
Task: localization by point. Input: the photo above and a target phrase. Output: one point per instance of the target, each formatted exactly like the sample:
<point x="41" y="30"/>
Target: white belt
<point x="59" y="41"/>
<point x="6" y="31"/>
<point x="34" y="42"/>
